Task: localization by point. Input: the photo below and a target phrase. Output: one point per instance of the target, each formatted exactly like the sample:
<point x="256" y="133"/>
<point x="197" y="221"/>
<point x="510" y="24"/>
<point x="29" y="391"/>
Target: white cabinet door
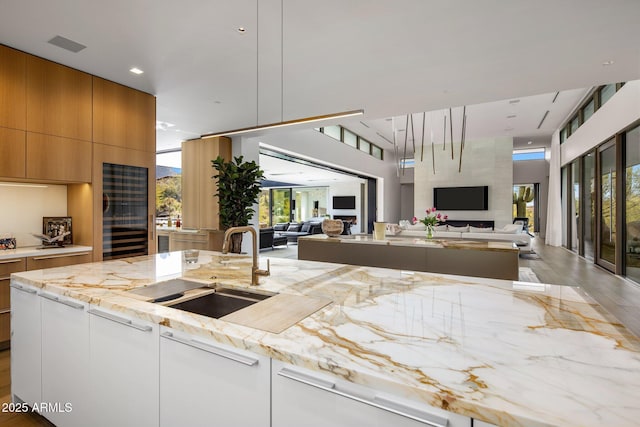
<point x="124" y="370"/>
<point x="204" y="383"/>
<point x="26" y="350"/>
<point x="304" y="397"/>
<point x="65" y="360"/>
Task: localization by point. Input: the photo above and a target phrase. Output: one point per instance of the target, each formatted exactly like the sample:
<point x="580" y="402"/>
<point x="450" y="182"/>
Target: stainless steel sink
<point x="207" y="299"/>
<point x="220" y="303"/>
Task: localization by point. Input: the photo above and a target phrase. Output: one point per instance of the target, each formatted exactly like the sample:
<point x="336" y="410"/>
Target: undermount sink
<point x="219" y="303"/>
<point x="208" y="299"/>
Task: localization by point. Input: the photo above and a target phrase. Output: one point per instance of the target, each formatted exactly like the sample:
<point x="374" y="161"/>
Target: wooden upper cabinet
<point x="200" y="208"/>
<point x="58" y="159"/>
<point x="123" y="117"/>
<point x="12" y="153"/>
<point x="58" y="100"/>
<point x="13" y="110"/>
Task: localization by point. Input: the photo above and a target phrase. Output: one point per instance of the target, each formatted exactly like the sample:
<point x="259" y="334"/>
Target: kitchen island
<point x="458" y="348"/>
<point x="497" y="260"/>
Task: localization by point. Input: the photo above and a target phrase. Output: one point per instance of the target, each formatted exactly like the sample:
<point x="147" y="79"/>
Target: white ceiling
<point x="301" y="174"/>
<point x="389" y="58"/>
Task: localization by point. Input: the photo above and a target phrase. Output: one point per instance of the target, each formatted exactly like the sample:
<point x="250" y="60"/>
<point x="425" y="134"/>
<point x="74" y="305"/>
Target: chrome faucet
<point x="255" y="271"/>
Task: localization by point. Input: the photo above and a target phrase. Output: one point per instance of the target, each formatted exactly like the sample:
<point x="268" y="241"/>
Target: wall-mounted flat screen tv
<point x="461" y="198"/>
<point x="344" y="202"/>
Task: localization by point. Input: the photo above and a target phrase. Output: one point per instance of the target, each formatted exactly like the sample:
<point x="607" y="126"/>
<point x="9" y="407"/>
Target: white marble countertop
<point x="510" y="353"/>
<point x="29" y="251"/>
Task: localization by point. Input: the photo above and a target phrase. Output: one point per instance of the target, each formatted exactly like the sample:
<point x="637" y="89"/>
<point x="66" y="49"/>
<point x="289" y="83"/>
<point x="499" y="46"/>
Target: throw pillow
<point x="293" y="227"/>
<point x="473" y="229"/>
<point x="511" y="228"/>
<point x="306" y="226"/>
<point x="441" y="227"/>
<point x="281" y="226"/>
<point x="459" y="229"/>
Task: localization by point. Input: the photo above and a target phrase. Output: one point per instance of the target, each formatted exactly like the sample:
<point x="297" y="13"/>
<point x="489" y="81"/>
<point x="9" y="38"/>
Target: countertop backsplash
<point x="24" y="205"/>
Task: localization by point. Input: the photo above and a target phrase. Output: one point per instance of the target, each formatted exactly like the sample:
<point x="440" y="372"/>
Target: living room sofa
<point x="509" y="233"/>
<point x="293" y="230"/>
<point x="268" y="239"/>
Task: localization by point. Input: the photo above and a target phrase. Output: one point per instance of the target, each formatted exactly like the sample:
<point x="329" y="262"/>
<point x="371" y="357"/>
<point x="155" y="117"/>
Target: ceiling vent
<point x="67" y="44"/>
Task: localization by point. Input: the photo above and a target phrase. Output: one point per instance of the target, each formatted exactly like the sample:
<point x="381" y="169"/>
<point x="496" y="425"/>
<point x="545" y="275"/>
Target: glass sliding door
<point x="280" y="205"/>
<point x="264" y="208"/>
<point x="589" y="205"/>
<point x="632" y="204"/>
<point x="608" y="205"/>
<point x="574" y="208"/>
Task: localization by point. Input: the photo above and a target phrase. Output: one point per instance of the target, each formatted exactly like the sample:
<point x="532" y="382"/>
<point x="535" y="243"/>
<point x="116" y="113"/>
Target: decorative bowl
<point x="332" y="227"/>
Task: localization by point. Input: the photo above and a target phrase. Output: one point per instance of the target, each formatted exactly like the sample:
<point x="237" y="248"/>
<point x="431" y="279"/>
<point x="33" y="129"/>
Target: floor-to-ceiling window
<point x="589" y="205"/>
<point x="280" y="205"/>
<point x="608" y="204"/>
<point x="574" y="212"/>
<point x="632" y="203"/>
<point x="525" y="205"/>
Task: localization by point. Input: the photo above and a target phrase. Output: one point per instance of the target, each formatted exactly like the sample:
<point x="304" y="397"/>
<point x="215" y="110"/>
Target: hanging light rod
<point x="286" y="123"/>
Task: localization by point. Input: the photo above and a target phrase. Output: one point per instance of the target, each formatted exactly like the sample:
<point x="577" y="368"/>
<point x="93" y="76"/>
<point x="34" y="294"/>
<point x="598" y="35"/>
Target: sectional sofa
<point x="510" y="233"/>
<point x="293" y="230"/>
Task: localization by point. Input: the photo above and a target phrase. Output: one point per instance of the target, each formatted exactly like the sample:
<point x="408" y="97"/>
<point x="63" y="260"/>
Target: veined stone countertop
<point x="500" y="246"/>
<point x="510" y="353"/>
<point x="29" y="251"/>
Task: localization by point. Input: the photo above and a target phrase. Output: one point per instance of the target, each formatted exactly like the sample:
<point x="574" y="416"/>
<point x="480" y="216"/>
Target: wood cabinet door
<point x="12" y="88"/>
<point x="50" y="261"/>
<point x="123" y="117"/>
<point x="58" y="159"/>
<point x="58" y="100"/>
<point x="12" y="152"/>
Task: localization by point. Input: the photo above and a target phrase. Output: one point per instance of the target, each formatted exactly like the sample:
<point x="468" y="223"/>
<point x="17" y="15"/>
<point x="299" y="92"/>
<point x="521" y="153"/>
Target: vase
<point x="429" y="232"/>
<point x="332" y="227"/>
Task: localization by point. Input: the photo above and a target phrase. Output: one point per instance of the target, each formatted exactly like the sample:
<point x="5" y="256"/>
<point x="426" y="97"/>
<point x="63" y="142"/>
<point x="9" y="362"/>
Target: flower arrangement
<point x="431" y="220"/>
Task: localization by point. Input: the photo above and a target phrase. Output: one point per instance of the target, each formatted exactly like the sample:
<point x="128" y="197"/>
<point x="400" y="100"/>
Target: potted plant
<point x="238" y="190"/>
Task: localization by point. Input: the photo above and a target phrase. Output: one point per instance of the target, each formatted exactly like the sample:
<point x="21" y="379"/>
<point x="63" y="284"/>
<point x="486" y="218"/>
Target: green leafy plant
<point x="521" y="198"/>
<point x="238" y="190"/>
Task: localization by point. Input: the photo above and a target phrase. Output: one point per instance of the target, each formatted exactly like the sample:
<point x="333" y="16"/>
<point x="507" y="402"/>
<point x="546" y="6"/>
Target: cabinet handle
<point x="5" y="311"/>
<point x="71" y="304"/>
<point x="120" y="320"/>
<point x="188" y="241"/>
<point x="40" y="258"/>
<point x="10" y="261"/>
<point x="23" y="289"/>
<point x="378" y="402"/>
<point x="241" y="358"/>
<point x="152" y="227"/>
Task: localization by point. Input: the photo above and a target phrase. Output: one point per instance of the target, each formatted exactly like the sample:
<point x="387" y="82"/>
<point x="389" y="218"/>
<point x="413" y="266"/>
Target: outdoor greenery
<point x="169" y="196"/>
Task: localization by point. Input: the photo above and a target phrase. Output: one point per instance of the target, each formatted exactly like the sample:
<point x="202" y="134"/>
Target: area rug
<point x="526" y="274"/>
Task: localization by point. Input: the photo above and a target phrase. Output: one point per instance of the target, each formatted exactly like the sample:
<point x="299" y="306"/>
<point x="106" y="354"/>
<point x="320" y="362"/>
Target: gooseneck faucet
<point x="255" y="271"/>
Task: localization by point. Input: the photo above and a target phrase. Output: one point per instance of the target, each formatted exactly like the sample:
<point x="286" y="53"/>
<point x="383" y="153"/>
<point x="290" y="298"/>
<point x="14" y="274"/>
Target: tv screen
<point x="344" y="202"/>
<point x="461" y="198"/>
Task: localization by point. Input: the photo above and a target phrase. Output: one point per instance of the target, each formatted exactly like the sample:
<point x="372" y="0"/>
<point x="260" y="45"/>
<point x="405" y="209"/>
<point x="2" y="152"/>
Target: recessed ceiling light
<point x="242" y="30"/>
<point x="513" y="116"/>
<point x="609" y="62"/>
<point x="514" y="101"/>
<point x="136" y="70"/>
<point x="530" y="142"/>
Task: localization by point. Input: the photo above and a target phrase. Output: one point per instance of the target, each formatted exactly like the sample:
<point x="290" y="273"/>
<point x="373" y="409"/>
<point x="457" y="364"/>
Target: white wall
<point x="619" y="112"/>
<point x="312" y="145"/>
<point x="530" y="172"/>
<point x="484" y="162"/>
<point x="347" y="189"/>
<point x="24" y="207"/>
